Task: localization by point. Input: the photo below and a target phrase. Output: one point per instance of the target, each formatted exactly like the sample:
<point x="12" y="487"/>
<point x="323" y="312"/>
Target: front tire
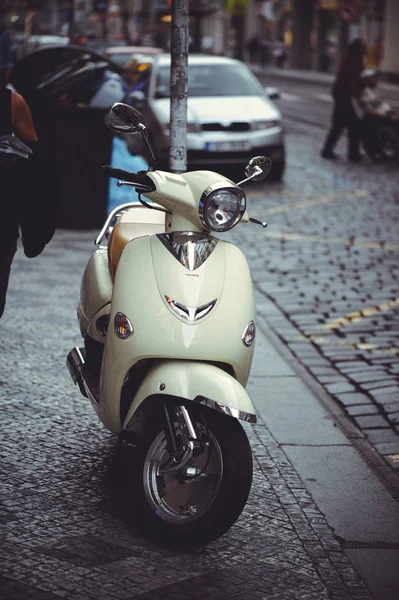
<point x="190" y="510"/>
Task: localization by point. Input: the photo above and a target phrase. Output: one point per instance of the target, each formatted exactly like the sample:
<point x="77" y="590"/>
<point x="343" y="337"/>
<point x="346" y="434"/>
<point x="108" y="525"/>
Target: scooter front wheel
<point x="198" y="498"/>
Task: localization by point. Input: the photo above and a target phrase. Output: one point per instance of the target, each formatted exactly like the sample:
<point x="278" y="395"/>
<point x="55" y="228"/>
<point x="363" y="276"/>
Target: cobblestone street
<point x="329" y="261"/>
<point x="325" y="272"/>
<point x="61" y="533"/>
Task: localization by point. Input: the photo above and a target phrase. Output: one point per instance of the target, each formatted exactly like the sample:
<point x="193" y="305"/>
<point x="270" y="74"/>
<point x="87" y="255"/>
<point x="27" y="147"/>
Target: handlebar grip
<point x="119" y="173"/>
<point x="141" y="179"/>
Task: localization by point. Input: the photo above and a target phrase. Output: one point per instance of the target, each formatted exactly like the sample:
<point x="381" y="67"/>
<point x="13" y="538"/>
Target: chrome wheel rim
<point x="182" y="495"/>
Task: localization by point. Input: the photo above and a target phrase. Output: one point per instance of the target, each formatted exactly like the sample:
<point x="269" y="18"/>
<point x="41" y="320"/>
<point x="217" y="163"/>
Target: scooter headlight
<point x="221" y="208"/>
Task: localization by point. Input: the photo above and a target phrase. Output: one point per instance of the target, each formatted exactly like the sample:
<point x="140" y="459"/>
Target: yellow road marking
<point x="317" y="201"/>
<point x="394" y="457"/>
<point x="328" y="240"/>
<point x="359" y="315"/>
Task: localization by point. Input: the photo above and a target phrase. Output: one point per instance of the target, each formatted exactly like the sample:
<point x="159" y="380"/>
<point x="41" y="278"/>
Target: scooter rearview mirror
<point x="264" y="163"/>
<point x="123" y="118"/>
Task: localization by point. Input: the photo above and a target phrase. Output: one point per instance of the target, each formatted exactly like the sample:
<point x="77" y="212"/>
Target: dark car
<point x="68" y="75"/>
<point x="69" y="88"/>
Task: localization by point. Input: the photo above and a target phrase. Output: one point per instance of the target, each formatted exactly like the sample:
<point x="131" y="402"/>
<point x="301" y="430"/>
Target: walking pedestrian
<point x="347" y="89"/>
<point x="253" y="47"/>
<point x="24" y="201"/>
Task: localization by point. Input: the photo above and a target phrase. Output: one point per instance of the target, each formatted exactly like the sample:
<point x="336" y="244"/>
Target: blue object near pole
<point x="122" y="159"/>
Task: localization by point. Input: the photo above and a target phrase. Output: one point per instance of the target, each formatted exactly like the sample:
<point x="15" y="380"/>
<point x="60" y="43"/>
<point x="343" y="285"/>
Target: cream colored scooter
<point x="168" y="318"/>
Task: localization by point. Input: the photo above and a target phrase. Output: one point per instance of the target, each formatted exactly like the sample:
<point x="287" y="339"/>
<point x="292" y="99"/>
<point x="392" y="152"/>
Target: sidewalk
<point x="320" y="442"/>
<point x="315" y="506"/>
<point x="308" y="76"/>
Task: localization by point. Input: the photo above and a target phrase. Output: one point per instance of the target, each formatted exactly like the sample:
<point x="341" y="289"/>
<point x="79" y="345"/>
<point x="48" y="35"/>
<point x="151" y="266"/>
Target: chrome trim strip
<point x="227" y="410"/>
<point x="189" y="248"/>
<point x="189" y="313"/>
<point x="118" y="211"/>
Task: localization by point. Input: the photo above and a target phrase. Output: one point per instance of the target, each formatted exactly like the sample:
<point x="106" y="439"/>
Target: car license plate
<point x="227" y="146"/>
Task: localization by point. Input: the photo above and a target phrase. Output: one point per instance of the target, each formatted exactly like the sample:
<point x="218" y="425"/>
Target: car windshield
<point x="211" y="80"/>
<point x="119" y="58"/>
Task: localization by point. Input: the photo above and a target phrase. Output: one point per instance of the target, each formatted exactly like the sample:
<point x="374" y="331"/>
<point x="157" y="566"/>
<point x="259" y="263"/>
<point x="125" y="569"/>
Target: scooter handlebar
<point x="141" y="179"/>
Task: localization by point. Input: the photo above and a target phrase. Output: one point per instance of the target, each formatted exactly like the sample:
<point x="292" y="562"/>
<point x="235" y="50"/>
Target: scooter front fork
<point x="182" y="447"/>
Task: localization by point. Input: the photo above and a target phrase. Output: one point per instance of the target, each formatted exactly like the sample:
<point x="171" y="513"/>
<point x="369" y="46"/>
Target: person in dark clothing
<point x="253" y="47"/>
<point x="24" y="204"/>
<point x="347" y="88"/>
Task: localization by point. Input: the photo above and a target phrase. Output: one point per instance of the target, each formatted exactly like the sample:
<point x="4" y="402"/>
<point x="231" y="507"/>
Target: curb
<point x="377" y="464"/>
<point x="306" y="76"/>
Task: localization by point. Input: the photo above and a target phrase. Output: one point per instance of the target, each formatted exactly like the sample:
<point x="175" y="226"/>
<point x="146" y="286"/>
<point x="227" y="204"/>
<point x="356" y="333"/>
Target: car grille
<point x="236" y="126"/>
<point x="204" y="157"/>
<point x="203" y="154"/>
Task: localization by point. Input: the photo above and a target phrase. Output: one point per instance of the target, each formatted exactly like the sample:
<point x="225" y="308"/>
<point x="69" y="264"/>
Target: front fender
<point x="198" y="382"/>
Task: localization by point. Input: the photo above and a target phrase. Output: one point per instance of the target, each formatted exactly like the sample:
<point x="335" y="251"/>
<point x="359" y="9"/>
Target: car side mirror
<point x="272" y="92"/>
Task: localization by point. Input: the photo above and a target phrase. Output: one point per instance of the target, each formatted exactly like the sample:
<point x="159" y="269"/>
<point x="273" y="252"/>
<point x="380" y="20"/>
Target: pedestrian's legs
<point x="337" y="125"/>
<point x="352" y="122"/>
<point x="6" y="257"/>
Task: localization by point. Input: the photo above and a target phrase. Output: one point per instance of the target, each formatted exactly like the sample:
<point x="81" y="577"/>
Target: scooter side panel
<point x="193" y="381"/>
<point x="96" y="287"/>
<point x="147" y="273"/>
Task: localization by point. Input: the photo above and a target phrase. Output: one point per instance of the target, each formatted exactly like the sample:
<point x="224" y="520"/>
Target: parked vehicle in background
<point x="230" y="115"/>
<point x="100" y="46"/>
<point x="68" y="76"/>
<point x="38" y="41"/>
<point x="122" y="54"/>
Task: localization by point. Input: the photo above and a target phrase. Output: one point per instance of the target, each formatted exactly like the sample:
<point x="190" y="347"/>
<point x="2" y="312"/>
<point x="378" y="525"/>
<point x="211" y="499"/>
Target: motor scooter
<point x="167" y="314"/>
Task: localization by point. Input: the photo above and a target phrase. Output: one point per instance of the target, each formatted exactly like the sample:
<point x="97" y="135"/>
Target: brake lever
<point x="263" y="223"/>
<point x="139" y="186"/>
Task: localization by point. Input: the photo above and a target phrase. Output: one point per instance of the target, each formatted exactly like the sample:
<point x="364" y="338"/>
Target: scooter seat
<point x="134" y="223"/>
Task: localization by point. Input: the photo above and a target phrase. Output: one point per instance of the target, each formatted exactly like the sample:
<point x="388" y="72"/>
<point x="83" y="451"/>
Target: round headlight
<point x="220" y="209"/>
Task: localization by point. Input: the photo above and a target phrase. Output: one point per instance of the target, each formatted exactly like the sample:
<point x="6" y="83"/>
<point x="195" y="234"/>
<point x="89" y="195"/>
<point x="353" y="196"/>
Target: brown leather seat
<point x="134" y="223"/>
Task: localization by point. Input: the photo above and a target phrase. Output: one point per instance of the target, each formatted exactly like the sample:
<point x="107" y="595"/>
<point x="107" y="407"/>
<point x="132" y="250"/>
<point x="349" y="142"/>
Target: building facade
<point x="316" y="33"/>
<point x="298" y="34"/>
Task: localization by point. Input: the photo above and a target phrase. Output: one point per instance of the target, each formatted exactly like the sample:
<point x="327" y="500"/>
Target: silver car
<point x="230" y="116"/>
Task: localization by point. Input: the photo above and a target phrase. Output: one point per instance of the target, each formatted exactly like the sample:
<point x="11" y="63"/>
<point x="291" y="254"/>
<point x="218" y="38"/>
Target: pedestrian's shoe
<point x="355" y="157"/>
<point x="329" y="155"/>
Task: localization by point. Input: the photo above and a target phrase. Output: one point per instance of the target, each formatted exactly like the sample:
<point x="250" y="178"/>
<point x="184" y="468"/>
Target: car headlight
<point x="221" y="207"/>
<point x="259" y="125"/>
<point x="193" y="127"/>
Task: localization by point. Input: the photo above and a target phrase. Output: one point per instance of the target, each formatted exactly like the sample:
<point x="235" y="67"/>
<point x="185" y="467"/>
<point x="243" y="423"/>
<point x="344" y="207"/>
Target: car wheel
<point x="277" y="171"/>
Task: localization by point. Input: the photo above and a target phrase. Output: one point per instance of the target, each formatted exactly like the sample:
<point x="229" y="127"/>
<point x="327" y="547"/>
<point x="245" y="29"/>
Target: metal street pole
<point x="178" y="86"/>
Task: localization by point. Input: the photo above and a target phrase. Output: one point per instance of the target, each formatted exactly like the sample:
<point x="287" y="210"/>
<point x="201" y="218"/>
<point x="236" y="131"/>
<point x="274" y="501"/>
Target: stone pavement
<point x="315" y="509"/>
<point x="329" y="262"/>
<point x="61" y="533"/>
